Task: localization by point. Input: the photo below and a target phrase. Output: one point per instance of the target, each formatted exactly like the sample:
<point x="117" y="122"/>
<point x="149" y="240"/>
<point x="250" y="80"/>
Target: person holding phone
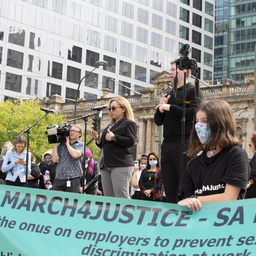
<point x="15" y="163"/>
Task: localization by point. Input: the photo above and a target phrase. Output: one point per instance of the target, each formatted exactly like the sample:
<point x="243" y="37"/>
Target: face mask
<point x="47" y="160"/>
<point x="203" y="131"/>
<point x="152" y="163"/>
<point x="143" y="166"/>
<point x="5" y="151"/>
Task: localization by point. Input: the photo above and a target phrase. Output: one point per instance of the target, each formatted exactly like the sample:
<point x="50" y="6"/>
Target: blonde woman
<point x="116" y="159"/>
<point x="6" y="147"/>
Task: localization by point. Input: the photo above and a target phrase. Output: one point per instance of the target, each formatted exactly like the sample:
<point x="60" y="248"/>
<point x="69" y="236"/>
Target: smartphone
<point x="21" y="158"/>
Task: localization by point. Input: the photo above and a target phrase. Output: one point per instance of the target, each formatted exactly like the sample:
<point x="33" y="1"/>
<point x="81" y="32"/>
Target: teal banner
<point x="36" y="222"/>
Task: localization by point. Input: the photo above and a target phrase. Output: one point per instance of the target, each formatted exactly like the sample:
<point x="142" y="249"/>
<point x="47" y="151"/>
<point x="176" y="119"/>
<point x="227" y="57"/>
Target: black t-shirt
<point x="208" y="176"/>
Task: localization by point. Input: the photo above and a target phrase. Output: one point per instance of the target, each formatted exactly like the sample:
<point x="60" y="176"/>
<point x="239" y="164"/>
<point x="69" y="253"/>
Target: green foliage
<point x="18" y="116"/>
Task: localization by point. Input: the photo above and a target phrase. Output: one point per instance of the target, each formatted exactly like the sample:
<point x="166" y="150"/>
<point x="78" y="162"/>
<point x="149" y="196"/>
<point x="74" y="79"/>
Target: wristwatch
<point x="113" y="137"/>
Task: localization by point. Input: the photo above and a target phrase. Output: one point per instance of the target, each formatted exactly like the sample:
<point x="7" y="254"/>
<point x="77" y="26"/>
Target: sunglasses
<point x="113" y="108"/>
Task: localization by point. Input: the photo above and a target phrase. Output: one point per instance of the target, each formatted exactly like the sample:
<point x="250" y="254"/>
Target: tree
<point x="19" y="115"/>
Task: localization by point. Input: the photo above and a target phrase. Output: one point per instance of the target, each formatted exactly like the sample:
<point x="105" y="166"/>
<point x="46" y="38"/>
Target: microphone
<point x="100" y="107"/>
<point x="48" y="110"/>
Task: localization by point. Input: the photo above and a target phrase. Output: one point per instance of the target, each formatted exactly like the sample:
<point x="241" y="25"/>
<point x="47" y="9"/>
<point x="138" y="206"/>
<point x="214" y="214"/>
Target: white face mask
<point x="203" y="132"/>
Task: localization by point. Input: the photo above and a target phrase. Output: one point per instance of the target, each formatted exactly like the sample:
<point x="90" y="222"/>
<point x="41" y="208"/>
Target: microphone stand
<point x="85" y="118"/>
<point x="28" y="134"/>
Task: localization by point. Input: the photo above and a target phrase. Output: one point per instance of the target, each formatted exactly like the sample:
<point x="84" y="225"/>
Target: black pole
<point x="28" y="133"/>
<point x="183" y="127"/>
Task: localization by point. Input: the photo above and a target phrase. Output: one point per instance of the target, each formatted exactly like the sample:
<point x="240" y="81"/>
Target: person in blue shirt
<point x="15" y="163"/>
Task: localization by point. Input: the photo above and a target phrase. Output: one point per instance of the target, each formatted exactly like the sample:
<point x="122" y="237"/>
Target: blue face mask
<point x="143" y="166"/>
<point x="203" y="132"/>
<point x="152" y="163"/>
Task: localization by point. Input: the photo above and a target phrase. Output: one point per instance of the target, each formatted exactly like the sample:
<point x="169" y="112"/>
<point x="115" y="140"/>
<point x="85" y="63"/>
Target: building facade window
<point x="59" y="6"/>
<point x="153" y="73"/>
<point x="141" y="54"/>
<point x="143" y="16"/>
<point x="196" y="54"/>
<point x="110" y="43"/>
<point x="34" y="87"/>
<point x="13" y="82"/>
<point x="184" y="14"/>
<point x="140" y="73"/>
<point x="126" y="49"/>
<point x="156" y="59"/>
<point x="158" y="5"/>
<point x="125" y="68"/>
<point x="91" y="80"/>
<point x="15" y="59"/>
<point x="111" y="64"/>
<point x="171" y="9"/>
<point x="128" y="10"/>
<point x="111" y="23"/>
<point x="53" y="89"/>
<point x="157" y="21"/>
<point x="122" y="89"/>
<point x="170" y="45"/>
<point x="197" y="4"/>
<point x="208" y="42"/>
<point x="187" y="2"/>
<point x="196" y="37"/>
<point x="70" y="94"/>
<point x="112" y="5"/>
<point x="108" y="82"/>
<point x="197" y="20"/>
<point x="90" y="96"/>
<point x="208" y="25"/>
<point x="16" y="36"/>
<point x="184" y="32"/>
<point x="207" y="75"/>
<point x="93" y="38"/>
<point x="142" y="35"/>
<point x="127" y="29"/>
<point x="171" y="27"/>
<point x="35" y="64"/>
<point x="92" y="58"/>
<point x="73" y="75"/>
<point x="209" y="8"/>
<point x="55" y="69"/>
<point x="75" y="53"/>
<point x="208" y="59"/>
<point x="156" y="40"/>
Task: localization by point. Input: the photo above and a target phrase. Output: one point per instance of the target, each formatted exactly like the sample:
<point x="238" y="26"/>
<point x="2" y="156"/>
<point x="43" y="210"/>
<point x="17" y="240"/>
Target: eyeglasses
<point x="113" y="108"/>
<point x="74" y="131"/>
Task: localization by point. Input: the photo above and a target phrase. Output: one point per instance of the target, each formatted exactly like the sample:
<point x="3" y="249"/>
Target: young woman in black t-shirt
<point x="221" y="171"/>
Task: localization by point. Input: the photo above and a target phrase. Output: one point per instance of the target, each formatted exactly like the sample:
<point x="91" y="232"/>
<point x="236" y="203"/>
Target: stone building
<point x="149" y="136"/>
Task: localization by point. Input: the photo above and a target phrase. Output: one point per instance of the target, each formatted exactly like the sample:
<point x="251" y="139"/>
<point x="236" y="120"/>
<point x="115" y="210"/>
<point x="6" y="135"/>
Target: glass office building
<point x="47" y="46"/>
<point x="235" y="39"/>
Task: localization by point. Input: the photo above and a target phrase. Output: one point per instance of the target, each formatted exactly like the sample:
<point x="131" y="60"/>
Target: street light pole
<point x="97" y="65"/>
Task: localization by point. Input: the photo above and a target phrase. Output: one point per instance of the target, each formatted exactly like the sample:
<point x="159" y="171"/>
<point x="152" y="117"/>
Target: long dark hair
<point x="154" y="154"/>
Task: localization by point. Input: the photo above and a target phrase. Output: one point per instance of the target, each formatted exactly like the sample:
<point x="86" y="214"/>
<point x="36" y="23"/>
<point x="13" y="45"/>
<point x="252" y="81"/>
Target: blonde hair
<point x="7" y="142"/>
<point x="123" y="103"/>
<point x="79" y="127"/>
<point x="187" y="70"/>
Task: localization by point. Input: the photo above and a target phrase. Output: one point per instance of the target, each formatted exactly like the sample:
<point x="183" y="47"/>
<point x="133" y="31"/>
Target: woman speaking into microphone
<point x="116" y="161"/>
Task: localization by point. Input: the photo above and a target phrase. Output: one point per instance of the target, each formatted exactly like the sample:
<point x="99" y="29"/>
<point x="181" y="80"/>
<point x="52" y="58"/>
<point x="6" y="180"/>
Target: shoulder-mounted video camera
<point x="58" y="134"/>
<point x="185" y="62"/>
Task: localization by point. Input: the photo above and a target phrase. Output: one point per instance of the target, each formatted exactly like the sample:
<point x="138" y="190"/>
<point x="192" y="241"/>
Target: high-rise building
<point x="235" y="39"/>
<point x="47" y="46"/>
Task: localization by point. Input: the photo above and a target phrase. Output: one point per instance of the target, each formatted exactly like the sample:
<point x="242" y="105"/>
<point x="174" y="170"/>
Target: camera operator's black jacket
<point x="118" y="153"/>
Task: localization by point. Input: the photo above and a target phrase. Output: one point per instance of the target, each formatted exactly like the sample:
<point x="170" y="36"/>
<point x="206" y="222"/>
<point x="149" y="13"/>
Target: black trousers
<point x="171" y="168"/>
<point x="61" y="185"/>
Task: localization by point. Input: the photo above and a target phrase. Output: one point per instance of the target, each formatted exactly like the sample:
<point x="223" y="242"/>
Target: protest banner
<point x="37" y="222"/>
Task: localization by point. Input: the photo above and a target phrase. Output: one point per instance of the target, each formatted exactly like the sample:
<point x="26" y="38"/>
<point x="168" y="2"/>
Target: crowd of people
<point x="201" y="158"/>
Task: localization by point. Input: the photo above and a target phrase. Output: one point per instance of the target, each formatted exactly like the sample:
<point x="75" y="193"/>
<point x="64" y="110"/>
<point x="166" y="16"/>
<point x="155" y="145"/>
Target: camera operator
<point x="169" y="114"/>
<point x="69" y="155"/>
